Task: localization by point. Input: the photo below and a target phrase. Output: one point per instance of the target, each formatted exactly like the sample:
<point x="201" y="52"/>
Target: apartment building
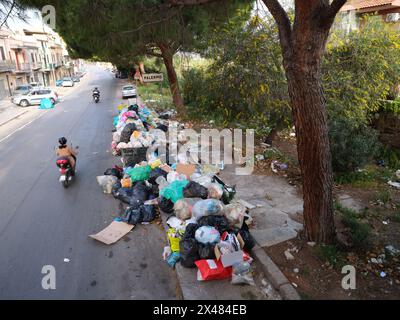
<point x="31" y="52"/>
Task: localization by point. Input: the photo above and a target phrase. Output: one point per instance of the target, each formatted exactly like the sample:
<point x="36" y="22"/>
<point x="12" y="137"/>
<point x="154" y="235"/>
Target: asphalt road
<point x="42" y="224"/>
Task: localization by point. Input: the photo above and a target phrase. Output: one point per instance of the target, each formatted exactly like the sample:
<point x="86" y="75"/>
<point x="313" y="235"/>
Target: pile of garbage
<point x="208" y="229"/>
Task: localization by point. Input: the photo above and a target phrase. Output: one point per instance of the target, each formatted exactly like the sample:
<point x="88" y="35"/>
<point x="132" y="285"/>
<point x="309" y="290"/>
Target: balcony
<point x="24" y="68"/>
<point x="37" y="65"/>
<point x="7" y="65"/>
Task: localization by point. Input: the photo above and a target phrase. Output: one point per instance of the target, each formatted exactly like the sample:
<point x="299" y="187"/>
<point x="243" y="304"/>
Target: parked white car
<point x="68" y="82"/>
<point x="128" y="91"/>
<point x="35" y="97"/>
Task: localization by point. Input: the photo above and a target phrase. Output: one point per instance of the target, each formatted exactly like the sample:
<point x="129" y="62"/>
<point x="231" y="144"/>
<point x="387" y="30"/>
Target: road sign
<point x="153" y="77"/>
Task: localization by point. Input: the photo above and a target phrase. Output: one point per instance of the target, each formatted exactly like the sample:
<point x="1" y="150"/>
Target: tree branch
<point x="283" y="22"/>
<point x="336" y="6"/>
<point x="328" y="16"/>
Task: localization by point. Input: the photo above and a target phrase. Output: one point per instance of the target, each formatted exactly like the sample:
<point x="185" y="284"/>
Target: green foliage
<point x="361" y="68"/>
<point x="360" y="231"/>
<point x="331" y="255"/>
<point x="353" y="144"/>
<point x="391" y="157"/>
<point x="245" y="83"/>
<point x="369" y="177"/>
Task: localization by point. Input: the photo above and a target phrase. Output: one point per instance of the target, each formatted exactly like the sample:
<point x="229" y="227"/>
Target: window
<point x="2" y="54"/>
<point x="33" y="57"/>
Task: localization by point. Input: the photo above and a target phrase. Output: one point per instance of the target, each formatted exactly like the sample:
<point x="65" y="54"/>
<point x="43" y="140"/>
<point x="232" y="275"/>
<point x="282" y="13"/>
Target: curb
<point x="275" y="275"/>
<point x="268" y="267"/>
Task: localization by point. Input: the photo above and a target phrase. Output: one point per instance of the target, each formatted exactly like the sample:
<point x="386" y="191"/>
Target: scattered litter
<point x="382" y="274"/>
<point x="311" y="244"/>
<point x="296" y="270"/>
<point x="294" y="285"/>
<point x="394" y="184"/>
<point x="278" y="166"/>
<point x="66" y="260"/>
<point x="385" y="222"/>
<point x="392" y="250"/>
<point x="260" y="157"/>
<point x="288" y="255"/>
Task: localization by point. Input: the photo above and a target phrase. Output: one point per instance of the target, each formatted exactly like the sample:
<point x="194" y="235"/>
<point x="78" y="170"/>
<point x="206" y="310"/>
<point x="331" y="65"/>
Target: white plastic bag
<point x="234" y="213"/>
<point x="241" y="274"/>
<point x="207" y="207"/>
<point x="106" y="182"/>
<point x="183" y="208"/>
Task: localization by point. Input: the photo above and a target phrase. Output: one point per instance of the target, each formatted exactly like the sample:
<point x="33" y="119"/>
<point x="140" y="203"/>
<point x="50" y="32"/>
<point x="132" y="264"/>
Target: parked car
<point x="76" y="79"/>
<point x="59" y="82"/>
<point x="68" y="82"/>
<point x="128" y="91"/>
<point x="35" y="96"/>
<point x="22" y="89"/>
<point x="36" y="84"/>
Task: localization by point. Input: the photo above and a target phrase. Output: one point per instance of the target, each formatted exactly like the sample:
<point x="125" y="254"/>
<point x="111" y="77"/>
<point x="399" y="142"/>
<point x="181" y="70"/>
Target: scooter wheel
<point x="65" y="184"/>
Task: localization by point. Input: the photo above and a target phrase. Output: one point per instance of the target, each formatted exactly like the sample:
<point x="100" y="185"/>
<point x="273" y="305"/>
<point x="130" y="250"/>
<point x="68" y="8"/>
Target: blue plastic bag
<point x="46" y="104"/>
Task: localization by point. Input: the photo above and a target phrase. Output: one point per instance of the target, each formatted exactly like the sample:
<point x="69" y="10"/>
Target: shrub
<point x="353" y="145"/>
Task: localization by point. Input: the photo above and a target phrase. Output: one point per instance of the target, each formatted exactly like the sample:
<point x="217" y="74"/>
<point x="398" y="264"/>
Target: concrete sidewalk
<point x="9" y="111"/>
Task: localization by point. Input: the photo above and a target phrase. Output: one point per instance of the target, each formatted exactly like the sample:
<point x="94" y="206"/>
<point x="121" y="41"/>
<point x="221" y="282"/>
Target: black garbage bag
<point x="149" y="212"/>
<point x="140" y="193"/>
<point x="133" y="216"/>
<point x="154" y="174"/>
<point x="134" y="107"/>
<point x="146" y="125"/>
<point x="144" y="213"/>
<point x="115" y="188"/>
<point x="206" y="251"/>
<point x="127" y="132"/>
<point x="248" y="239"/>
<point x="165" y="115"/>
<point x="124" y="195"/>
<point x="154" y="191"/>
<point x="218" y="222"/>
<point x="189" y="251"/>
<point x="190" y="231"/>
<point x="166" y="205"/>
<point x="113" y="172"/>
<point x="162" y="127"/>
<point x="195" y="190"/>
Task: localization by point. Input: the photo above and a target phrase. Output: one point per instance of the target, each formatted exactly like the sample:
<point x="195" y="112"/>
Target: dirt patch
<point x="317" y="279"/>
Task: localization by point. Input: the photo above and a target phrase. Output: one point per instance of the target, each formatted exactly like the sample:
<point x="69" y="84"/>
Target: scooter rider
<point x="96" y="91"/>
<point x="67" y="151"/>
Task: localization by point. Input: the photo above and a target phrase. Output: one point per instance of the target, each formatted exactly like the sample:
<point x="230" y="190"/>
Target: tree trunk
<point x="167" y="55"/>
<point x="303" y="71"/>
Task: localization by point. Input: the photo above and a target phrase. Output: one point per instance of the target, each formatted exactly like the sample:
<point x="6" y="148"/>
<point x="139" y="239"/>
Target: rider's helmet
<point x="62" y="141"/>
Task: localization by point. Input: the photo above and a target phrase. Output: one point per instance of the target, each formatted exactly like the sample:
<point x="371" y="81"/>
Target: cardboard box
<point x="229" y="259"/>
<point x="186" y="169"/>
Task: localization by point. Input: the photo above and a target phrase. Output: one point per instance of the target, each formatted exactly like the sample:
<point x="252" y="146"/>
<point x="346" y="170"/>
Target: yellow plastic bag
<point x="173" y="240"/>
<point x="121" y="106"/>
<point x="155" y="164"/>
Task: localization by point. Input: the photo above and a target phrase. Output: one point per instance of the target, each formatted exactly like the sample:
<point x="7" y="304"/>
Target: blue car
<point x="59" y="82"/>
